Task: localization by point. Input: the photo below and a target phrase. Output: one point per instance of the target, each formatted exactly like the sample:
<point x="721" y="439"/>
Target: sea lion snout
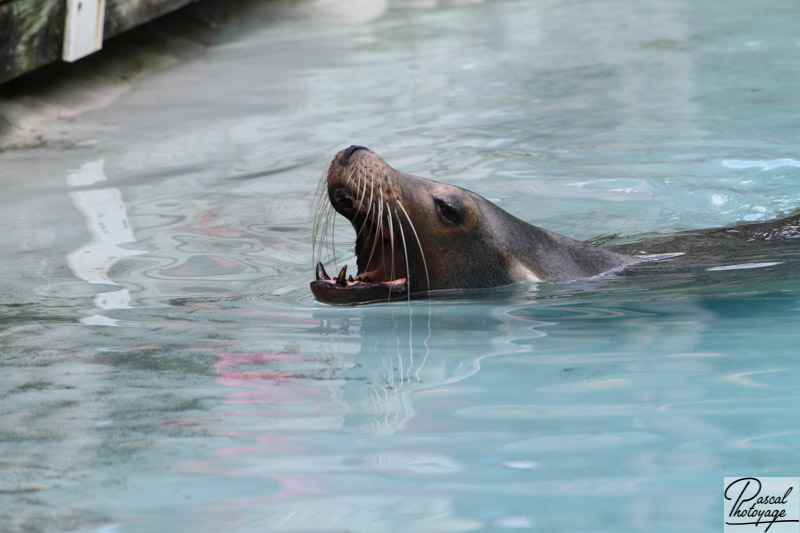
<point x="348" y="153"/>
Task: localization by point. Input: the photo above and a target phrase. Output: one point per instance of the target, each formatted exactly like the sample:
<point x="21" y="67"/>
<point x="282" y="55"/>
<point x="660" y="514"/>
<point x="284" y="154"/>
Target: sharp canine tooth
<point x="321" y="274"/>
<point x="341" y="279"/>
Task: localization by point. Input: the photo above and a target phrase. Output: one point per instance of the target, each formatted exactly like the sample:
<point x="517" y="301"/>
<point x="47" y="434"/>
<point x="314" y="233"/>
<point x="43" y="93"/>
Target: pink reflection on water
<point x="264" y="383"/>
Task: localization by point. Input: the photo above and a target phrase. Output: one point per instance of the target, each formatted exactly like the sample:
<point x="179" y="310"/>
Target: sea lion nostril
<point x="345" y="160"/>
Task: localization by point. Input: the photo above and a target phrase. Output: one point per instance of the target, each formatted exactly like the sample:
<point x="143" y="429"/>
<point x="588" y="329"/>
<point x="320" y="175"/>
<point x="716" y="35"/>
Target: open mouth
<point x="380" y="255"/>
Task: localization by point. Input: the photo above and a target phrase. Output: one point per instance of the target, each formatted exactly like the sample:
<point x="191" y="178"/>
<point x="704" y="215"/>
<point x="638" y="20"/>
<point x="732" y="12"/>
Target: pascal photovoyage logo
<point x="771" y="504"/>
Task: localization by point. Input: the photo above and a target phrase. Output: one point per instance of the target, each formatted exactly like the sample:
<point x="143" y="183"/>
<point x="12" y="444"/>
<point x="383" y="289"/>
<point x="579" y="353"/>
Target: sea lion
<point x="416" y="236"/>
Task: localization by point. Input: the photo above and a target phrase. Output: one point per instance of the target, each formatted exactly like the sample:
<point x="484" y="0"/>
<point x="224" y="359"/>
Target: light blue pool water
<point x="164" y="366"/>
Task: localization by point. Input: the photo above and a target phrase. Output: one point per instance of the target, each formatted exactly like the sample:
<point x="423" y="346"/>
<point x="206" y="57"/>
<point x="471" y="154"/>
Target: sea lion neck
<point x="546" y="254"/>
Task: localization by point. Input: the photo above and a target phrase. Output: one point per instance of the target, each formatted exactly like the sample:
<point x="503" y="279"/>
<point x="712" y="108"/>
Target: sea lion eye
<point x="447" y="212"/>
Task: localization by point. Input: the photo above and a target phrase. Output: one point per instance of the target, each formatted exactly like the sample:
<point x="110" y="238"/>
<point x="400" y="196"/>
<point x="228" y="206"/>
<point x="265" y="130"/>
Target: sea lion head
<point x="413" y="235"/>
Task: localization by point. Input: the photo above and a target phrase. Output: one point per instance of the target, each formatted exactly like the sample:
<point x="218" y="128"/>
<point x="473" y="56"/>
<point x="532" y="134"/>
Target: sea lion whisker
<point x="379" y="235"/>
<point x="391" y="240"/>
<point x="405" y="252"/>
<point x="356" y="183"/>
<point x="363" y="188"/>
<point x="349" y="178"/>
<point x="376" y="236"/>
<point x="324" y="214"/>
<point x="386" y="214"/>
<point x="321" y="191"/>
<point x="369" y="208"/>
<point x="319" y="240"/>
<point x="330" y="245"/>
<point x="317" y="236"/>
<point x="319" y="207"/>
<point x="331" y="241"/>
<point x="419" y="244"/>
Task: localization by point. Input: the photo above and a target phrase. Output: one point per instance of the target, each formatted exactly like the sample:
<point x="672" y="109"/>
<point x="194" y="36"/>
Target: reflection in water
<point x="314" y="417"/>
<point x="397" y="357"/>
<point x="107" y="222"/>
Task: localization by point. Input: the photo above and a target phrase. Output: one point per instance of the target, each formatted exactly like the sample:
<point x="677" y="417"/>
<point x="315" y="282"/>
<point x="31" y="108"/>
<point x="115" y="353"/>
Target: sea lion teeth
<point x="321" y="274"/>
<point x="340" y="280"/>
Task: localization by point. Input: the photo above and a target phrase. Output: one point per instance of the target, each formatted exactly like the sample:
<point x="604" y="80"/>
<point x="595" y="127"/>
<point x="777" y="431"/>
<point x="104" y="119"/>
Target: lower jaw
<point x="357" y="292"/>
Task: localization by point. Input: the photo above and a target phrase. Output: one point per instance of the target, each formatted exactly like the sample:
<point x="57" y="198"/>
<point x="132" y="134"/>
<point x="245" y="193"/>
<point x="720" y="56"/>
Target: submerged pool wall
<point x="32" y="32"/>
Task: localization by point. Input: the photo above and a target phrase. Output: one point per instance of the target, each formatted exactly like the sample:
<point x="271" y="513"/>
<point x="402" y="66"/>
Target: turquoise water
<point x="165" y="368"/>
